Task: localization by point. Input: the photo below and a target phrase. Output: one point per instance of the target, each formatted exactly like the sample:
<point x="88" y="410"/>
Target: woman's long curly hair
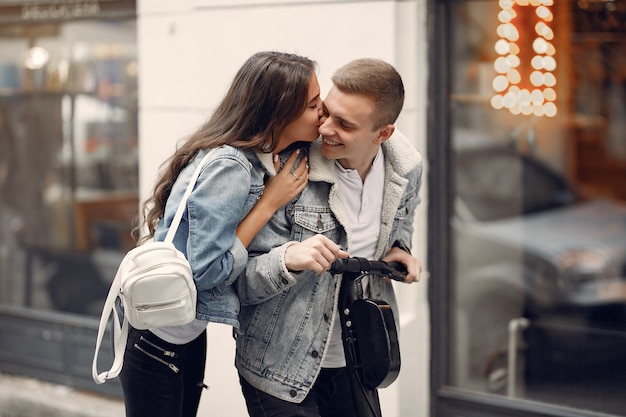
<point x="268" y="92"/>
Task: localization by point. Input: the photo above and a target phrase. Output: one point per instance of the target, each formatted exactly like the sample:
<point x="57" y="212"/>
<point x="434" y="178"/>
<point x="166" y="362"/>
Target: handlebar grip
<point x="393" y="270"/>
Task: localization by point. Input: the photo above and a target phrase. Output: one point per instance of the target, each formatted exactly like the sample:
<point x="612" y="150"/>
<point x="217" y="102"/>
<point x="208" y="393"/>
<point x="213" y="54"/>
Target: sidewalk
<point x="27" y="397"/>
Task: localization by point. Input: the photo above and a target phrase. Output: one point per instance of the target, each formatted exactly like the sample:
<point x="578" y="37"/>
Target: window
<point x="68" y="173"/>
<point x="69" y="160"/>
<point x="532" y="236"/>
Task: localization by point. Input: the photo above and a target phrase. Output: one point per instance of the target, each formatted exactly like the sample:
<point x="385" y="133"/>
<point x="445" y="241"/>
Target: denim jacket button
<point x="315" y="354"/>
<point x="285" y="281"/>
<point x="293" y="393"/>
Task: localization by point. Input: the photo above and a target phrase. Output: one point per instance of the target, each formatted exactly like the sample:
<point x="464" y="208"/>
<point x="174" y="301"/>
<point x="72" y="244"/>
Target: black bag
<point x="377" y="351"/>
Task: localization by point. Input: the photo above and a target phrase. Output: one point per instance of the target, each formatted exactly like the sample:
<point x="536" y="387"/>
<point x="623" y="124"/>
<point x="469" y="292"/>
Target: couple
<point x="261" y="230"/>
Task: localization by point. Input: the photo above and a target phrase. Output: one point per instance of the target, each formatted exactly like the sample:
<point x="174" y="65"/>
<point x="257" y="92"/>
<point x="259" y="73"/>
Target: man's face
<point x="347" y="129"/>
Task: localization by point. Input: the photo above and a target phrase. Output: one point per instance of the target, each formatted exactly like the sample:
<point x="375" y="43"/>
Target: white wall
<point x="189" y="50"/>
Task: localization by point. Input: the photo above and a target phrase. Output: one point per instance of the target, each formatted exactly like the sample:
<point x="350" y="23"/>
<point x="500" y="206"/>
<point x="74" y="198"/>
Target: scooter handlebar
<point x="393" y="270"/>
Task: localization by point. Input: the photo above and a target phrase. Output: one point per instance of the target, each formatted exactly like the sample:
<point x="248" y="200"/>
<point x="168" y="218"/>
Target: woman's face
<point x="304" y="128"/>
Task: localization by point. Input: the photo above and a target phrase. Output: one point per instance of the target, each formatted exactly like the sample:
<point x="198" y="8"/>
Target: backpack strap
<point x="120" y="333"/>
<point x="183" y="202"/>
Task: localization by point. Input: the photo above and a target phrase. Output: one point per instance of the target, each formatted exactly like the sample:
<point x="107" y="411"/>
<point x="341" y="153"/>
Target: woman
<point x="273" y="102"/>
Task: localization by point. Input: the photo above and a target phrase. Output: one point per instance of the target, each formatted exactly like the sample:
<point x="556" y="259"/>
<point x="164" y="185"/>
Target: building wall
<point x="189" y="50"/>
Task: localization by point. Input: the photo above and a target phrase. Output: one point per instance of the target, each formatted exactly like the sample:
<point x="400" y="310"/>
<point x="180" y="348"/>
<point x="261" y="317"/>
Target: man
<point x="361" y="196"/>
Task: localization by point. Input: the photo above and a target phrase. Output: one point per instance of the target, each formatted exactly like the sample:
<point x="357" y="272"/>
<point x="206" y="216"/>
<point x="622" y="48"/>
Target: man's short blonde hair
<point x="376" y="79"/>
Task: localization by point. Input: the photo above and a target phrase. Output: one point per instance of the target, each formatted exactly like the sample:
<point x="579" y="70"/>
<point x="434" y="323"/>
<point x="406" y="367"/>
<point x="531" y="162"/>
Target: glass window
<point x="538" y="175"/>
<point x="68" y="160"/>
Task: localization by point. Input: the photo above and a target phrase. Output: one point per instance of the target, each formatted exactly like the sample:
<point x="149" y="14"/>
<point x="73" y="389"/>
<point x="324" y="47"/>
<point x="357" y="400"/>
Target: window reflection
<point x="539" y="225"/>
<point x="68" y="161"/>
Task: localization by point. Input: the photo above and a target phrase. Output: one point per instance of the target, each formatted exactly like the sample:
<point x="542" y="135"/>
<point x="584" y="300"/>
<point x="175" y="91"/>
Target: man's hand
<point x="412" y="264"/>
<point x="315" y="254"/>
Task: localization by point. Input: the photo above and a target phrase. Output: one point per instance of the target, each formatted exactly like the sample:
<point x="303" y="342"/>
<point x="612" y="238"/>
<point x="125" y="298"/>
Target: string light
<point x="525" y="63"/>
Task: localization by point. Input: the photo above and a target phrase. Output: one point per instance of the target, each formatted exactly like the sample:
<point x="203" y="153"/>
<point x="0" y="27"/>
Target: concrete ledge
<point x="27" y="397"/>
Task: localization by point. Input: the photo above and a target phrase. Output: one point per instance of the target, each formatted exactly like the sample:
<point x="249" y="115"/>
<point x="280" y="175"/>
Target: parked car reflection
<point x="527" y="245"/>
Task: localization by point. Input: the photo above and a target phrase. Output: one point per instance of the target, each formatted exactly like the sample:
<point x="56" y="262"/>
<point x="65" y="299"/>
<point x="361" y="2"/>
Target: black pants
<point x="160" y="379"/>
<point x="330" y="396"/>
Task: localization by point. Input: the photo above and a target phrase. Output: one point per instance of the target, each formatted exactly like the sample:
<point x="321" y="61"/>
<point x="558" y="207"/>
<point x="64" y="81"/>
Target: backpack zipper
<point x="140" y="273"/>
<point x="162" y="305"/>
<point x="156" y="358"/>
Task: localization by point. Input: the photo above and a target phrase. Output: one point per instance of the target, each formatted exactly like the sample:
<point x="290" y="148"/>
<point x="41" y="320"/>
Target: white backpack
<point x="156" y="286"/>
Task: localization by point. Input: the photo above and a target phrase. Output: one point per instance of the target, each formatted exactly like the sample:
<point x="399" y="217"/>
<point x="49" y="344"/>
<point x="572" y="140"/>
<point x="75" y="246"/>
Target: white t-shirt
<point x="363" y="201"/>
<point x="179" y="335"/>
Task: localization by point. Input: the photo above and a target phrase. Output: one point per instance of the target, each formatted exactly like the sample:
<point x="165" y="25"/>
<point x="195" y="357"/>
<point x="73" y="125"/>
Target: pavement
<point x="27" y="397"/>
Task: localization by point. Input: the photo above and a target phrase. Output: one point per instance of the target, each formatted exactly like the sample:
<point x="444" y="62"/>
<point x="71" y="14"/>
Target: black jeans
<point x="160" y="379"/>
<point x="330" y="396"/>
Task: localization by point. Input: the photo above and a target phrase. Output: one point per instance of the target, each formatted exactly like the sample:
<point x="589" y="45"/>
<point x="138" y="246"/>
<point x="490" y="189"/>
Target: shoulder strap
<point x="183" y="202"/>
<point x="120" y="334"/>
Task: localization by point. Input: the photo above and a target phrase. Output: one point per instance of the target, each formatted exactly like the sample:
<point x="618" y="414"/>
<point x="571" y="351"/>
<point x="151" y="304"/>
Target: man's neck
<point x="363" y="166"/>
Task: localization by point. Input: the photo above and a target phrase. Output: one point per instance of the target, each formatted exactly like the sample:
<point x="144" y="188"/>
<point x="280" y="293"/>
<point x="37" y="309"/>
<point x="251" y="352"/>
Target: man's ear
<point x="385" y="133"/>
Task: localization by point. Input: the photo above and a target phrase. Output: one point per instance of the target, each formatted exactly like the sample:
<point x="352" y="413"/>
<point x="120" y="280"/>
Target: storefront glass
<point x="538" y="152"/>
<point x="68" y="154"/>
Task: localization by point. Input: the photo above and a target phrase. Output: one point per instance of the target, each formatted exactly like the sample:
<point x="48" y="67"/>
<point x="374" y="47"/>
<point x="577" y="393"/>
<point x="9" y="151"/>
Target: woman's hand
<point x="279" y="190"/>
<point x="287" y="184"/>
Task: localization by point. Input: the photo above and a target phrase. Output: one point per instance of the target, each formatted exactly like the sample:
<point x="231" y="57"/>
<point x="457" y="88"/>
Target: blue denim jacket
<point x="228" y="187"/>
<point x="286" y="317"/>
